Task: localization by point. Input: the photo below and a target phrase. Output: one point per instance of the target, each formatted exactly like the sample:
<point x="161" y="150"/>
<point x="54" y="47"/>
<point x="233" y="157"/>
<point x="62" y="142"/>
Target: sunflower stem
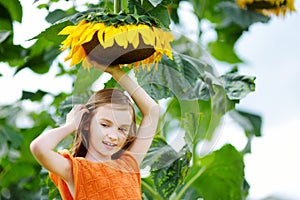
<point x="117" y="6"/>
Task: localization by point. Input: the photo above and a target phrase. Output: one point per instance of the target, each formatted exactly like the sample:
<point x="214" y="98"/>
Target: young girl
<point x="104" y="161"/>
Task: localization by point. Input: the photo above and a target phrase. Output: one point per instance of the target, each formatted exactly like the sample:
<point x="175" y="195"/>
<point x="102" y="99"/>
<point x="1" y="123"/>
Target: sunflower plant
<point x="116" y="38"/>
<point x="268" y="7"/>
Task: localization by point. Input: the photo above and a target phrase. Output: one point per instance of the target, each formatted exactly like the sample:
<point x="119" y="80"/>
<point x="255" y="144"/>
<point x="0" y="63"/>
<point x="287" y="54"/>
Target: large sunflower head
<point x="268" y="7"/>
<point x="110" y="39"/>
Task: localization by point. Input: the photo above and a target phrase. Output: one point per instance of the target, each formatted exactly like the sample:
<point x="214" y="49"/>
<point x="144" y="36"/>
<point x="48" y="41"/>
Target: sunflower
<point x="268" y="7"/>
<point x="123" y="39"/>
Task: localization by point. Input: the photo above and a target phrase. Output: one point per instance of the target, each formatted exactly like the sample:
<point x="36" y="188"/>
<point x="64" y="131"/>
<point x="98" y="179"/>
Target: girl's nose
<point x="112" y="136"/>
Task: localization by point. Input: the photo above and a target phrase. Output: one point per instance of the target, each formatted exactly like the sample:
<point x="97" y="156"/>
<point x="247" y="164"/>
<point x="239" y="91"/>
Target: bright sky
<point x="272" y="55"/>
<point x="271" y="52"/>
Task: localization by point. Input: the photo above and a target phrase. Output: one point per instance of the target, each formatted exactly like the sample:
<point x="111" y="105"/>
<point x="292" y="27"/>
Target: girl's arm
<point x="148" y="107"/>
<point x="43" y="146"/>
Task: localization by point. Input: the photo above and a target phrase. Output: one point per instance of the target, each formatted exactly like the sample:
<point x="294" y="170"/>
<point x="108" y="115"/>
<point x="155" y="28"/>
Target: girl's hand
<point x="75" y="115"/>
<point x="105" y="68"/>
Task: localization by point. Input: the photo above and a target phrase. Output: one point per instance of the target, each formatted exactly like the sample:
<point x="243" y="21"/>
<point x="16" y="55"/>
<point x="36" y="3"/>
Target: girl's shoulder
<point x="126" y="162"/>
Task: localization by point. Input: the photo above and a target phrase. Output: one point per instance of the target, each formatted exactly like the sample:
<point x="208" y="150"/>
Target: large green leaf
<point x="168" y="167"/>
<point x="250" y="122"/>
<point x="13" y="54"/>
<point x="154" y="8"/>
<point x="5" y="25"/>
<point x="33" y="96"/>
<point x="184" y="77"/>
<point x="15" y="173"/>
<point x="14" y="8"/>
<point x="223" y="51"/>
<point x="50" y="33"/>
<point x="10" y="139"/>
<point x="238" y="86"/>
<point x="233" y="15"/>
<point x="56" y="15"/>
<point x="162" y="14"/>
<point x="84" y="79"/>
<point x="202" y="118"/>
<point x="205" y="9"/>
<point x="222" y="175"/>
<point x="42" y="62"/>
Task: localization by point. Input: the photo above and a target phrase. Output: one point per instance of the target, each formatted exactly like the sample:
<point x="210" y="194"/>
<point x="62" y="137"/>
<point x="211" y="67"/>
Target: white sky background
<point x="272" y="54"/>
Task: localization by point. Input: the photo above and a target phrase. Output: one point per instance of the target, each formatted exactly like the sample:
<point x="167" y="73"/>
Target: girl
<point x="104" y="161"/>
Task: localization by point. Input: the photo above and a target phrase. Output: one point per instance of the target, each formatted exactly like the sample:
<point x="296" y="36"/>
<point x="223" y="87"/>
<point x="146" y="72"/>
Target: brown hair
<point x="98" y="99"/>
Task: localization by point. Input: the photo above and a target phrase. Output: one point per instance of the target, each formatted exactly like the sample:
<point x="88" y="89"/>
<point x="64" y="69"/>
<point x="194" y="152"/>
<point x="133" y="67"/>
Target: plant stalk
<point x="117" y="6"/>
<point x="188" y="184"/>
<point x="150" y="190"/>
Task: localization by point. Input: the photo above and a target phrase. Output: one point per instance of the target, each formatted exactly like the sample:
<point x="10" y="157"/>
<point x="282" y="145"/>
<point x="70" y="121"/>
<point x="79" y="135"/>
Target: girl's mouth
<point x="109" y="144"/>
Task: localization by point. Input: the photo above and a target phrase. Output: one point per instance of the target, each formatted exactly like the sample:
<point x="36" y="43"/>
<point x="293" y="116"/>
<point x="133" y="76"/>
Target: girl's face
<point x="109" y="130"/>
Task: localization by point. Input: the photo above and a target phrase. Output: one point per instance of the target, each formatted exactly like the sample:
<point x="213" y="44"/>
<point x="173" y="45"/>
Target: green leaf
<point x="184" y="77"/>
<point x="5" y="25"/>
<point x="13" y="54"/>
<point x="68" y="103"/>
<point x="234" y="15"/>
<point x="201" y="118"/>
<point x="33" y="96"/>
<point x="223" y="51"/>
<point x="84" y="79"/>
<point x="206" y="10"/>
<point x="50" y="33"/>
<point x="10" y="136"/>
<point x="56" y="15"/>
<point x="15" y="173"/>
<point x="168" y="167"/>
<point x="222" y="176"/>
<point x="14" y="8"/>
<point x="250" y="122"/>
<point x="41" y="63"/>
<point x="162" y="14"/>
<point x="238" y="86"/>
<point x="42" y="121"/>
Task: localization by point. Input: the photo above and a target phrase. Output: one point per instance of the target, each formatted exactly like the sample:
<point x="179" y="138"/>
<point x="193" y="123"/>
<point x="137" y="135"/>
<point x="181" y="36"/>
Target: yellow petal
<point x="147" y="35"/>
<point x="78" y="32"/>
<point x="133" y="35"/>
<point x="67" y="42"/>
<point x="86" y="64"/>
<point x="111" y="32"/>
<point x="108" y="43"/>
<point x="87" y="35"/>
<point x="78" y="55"/>
<point x="121" y="39"/>
<point x="69" y="56"/>
<point x="100" y="35"/>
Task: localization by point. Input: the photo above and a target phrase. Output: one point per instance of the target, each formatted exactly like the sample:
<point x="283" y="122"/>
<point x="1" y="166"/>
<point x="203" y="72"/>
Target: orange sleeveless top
<point x="116" y="179"/>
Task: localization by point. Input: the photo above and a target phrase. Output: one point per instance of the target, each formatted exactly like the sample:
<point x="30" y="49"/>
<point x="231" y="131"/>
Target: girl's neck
<point x="94" y="157"/>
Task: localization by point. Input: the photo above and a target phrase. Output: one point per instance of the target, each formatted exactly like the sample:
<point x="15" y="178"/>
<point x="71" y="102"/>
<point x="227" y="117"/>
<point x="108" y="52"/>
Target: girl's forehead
<point x="120" y="114"/>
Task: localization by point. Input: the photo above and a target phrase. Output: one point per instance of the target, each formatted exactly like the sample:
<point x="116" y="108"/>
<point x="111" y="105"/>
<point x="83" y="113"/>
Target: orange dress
<point x="116" y="179"/>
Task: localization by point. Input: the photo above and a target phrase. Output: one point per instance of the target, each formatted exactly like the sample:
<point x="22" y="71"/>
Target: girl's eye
<point x="104" y="124"/>
<point x="124" y="130"/>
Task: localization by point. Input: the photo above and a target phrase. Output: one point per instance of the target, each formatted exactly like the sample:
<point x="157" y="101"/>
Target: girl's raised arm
<point x="148" y="107"/>
<point x="43" y="146"/>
